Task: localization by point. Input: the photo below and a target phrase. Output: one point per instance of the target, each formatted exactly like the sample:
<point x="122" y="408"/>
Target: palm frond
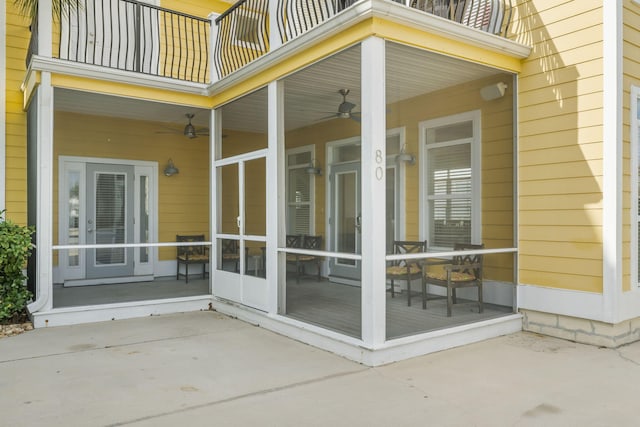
<point x="29" y="8"/>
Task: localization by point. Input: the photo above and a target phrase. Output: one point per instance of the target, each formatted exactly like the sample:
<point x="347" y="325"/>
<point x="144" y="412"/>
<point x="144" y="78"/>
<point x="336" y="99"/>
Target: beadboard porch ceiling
<point x="309" y="94"/>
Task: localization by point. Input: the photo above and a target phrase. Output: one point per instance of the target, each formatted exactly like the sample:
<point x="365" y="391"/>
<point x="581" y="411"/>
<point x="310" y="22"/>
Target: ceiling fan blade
<point x="332" y="116"/>
<point x="357" y="119"/>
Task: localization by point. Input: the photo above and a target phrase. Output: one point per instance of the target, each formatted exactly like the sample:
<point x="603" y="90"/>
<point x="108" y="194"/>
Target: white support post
<point x="276" y="271"/>
<point x="612" y="204"/>
<point x="275" y="40"/>
<point x="373" y="191"/>
<point x="213" y="74"/>
<point x="215" y="148"/>
<point x="45" y="29"/>
<point x="44" y="194"/>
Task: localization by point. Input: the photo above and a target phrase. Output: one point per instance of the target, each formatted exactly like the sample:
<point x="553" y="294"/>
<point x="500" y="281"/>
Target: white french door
<point x="109" y="220"/>
<point x="240" y="233"/>
<point x="345" y="219"/>
<point x="106" y="202"/>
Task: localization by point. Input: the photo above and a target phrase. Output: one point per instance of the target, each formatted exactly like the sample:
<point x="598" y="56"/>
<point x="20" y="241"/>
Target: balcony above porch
<point x="153" y="42"/>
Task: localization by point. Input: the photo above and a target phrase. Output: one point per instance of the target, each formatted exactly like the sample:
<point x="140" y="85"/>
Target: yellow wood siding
<point x="183" y="199"/>
<point x="17" y="33"/>
<point x="560" y="143"/>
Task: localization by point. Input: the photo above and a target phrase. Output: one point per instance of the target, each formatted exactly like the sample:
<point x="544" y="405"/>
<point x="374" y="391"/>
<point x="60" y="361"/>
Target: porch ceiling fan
<point x="190" y="131"/>
<point x="345" y="109"/>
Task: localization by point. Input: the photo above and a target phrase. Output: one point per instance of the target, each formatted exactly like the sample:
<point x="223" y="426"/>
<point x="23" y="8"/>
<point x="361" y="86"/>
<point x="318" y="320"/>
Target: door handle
<point x="358" y="222"/>
<point x="90" y="227"/>
<point x="238" y="221"/>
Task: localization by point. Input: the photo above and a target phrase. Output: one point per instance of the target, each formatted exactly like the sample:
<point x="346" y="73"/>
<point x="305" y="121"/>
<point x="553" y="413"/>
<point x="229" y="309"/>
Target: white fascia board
<point x="361" y="11"/>
<point x="3" y="95"/>
<point x="585" y="305"/>
<point x="97" y="72"/>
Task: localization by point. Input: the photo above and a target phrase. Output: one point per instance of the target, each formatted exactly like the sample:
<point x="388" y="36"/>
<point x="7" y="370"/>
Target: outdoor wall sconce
<point x="494" y="91"/>
<point x="170" y="169"/>
<point x="314" y="169"/>
<point x="405" y="157"/>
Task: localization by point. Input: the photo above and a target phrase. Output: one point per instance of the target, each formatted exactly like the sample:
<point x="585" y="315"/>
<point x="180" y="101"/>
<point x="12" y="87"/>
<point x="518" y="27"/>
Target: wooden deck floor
<point x="162" y="288"/>
<point x="329" y="305"/>
<point x="337" y="307"/>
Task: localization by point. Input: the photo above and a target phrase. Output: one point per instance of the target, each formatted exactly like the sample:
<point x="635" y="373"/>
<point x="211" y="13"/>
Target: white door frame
<point x="399" y="168"/>
<point x="78" y="164"/>
<point x="239" y="287"/>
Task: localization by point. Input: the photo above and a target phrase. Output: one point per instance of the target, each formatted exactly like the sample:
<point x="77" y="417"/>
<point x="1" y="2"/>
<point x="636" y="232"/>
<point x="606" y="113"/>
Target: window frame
<point x="473" y="116"/>
<point x="312" y="187"/>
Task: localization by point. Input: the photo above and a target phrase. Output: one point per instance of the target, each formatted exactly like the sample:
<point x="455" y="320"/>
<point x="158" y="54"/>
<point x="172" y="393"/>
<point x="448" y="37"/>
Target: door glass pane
<point x="228" y="199"/>
<point x="254" y="197"/>
<point x="73" y="235"/>
<point x="110" y="217"/>
<point x="347" y="218"/>
<point x="144" y="217"/>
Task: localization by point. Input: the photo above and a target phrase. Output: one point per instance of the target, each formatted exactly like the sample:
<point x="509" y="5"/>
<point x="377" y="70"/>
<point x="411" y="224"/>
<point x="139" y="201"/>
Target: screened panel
<point x="228" y="197"/>
<point x="144" y="217"/>
<point x="255" y="210"/>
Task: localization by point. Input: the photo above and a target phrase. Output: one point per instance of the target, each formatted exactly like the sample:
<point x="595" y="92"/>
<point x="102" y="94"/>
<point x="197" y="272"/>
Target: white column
<point x="215" y="148"/>
<point x="275" y="41"/>
<point x="276" y="271"/>
<point x="213" y="74"/>
<point x="612" y="161"/>
<point x="373" y="191"/>
<point x="44" y="29"/>
<point x="44" y="195"/>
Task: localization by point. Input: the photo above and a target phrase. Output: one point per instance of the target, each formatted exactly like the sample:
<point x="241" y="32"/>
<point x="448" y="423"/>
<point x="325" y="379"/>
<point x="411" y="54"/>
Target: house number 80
<point x="379" y="170"/>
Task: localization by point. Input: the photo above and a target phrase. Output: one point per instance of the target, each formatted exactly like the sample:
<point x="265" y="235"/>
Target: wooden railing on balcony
<point x="133" y="36"/>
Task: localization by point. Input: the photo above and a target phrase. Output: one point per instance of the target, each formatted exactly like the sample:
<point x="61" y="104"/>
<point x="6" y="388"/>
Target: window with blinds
<point x="299" y="189"/>
<point x="449" y="184"/>
<point x="110" y="217"/>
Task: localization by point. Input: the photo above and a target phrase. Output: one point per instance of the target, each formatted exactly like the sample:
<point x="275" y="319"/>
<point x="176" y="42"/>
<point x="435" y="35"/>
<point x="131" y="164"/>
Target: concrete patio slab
<point x="208" y="369"/>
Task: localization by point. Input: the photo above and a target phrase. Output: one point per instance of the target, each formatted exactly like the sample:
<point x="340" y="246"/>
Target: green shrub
<point x="15" y="247"/>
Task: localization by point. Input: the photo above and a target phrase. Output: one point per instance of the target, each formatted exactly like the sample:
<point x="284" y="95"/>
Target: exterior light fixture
<point x="405" y="157"/>
<point x="170" y="169"/>
<point x="494" y="91"/>
<point x="314" y="169"/>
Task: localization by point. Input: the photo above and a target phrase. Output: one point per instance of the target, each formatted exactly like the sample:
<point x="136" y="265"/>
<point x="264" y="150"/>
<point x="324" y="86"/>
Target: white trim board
<point x="387" y="352"/>
<point x="130" y="310"/>
<point x="3" y="95"/>
<point x="612" y="203"/>
<point x="585" y="305"/>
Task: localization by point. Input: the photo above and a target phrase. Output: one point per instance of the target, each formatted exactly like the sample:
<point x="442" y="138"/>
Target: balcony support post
<point x="275" y="39"/>
<point x="45" y="28"/>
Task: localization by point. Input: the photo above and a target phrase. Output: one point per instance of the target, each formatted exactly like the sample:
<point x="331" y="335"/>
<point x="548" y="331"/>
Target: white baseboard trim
<point x="355" y="349"/>
<point x="102" y="313"/>
<point x="584" y="305"/>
